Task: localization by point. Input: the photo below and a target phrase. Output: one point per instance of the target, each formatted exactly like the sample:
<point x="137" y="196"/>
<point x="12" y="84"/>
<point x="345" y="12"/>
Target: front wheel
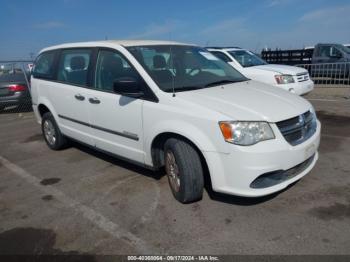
<point x="184" y="170"/>
<point x="52" y="134"/>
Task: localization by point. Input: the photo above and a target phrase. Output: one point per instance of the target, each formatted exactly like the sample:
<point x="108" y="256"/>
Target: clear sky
<point x="27" y="26"/>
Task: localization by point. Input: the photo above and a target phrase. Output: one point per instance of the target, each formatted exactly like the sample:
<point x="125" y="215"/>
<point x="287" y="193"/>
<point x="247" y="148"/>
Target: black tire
<point x="190" y="171"/>
<point x="2" y="108"/>
<point x="60" y="141"/>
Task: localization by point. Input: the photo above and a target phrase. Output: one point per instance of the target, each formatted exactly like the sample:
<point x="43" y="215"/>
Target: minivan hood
<point x="282" y="69"/>
<point x="248" y="101"/>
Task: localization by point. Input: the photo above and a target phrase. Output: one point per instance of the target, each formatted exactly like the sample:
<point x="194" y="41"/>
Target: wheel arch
<point x="43" y="109"/>
<point x="157" y="152"/>
<point x="45" y="106"/>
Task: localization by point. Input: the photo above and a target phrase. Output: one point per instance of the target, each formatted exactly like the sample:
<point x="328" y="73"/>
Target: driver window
<point x="111" y="66"/>
<point x="335" y="52"/>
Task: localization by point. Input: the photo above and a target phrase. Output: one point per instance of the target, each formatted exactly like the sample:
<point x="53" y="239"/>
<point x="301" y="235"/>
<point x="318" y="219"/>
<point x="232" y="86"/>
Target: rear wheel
<point x="184" y="170"/>
<point x="52" y="134"/>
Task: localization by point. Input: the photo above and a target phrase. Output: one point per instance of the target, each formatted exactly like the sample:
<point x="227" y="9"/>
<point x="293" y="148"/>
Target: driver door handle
<point x="79" y="97"/>
<point x="94" y="100"/>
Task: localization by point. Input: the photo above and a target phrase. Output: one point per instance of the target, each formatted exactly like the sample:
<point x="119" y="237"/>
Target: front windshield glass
<point x="344" y="48"/>
<point x="247" y="58"/>
<point x="183" y="68"/>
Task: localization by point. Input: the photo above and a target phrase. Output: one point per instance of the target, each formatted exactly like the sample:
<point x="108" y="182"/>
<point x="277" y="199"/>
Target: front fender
<point x="203" y="141"/>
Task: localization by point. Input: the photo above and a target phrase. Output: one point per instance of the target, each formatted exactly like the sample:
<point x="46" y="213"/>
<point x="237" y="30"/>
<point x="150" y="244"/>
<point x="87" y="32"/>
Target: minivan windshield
<point x="182" y="68"/>
<point x="247" y="58"/>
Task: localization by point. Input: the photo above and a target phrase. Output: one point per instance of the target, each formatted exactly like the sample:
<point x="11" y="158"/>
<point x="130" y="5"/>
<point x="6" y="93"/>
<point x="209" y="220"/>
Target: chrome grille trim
<point x="302" y="74"/>
<point x="301" y="77"/>
<point x="298" y="129"/>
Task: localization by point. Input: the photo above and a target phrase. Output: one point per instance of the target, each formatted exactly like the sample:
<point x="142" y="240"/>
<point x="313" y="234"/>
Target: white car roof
<point x="109" y="43"/>
<point x="226" y="49"/>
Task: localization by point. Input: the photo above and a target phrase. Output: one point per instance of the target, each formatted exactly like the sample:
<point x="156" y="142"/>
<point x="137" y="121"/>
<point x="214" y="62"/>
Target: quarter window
<point x="44" y="67"/>
<point x="73" y="66"/>
<point x="111" y="66"/>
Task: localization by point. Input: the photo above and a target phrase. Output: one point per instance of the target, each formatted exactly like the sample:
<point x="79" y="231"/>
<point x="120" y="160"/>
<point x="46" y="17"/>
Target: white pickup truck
<point x="290" y="78"/>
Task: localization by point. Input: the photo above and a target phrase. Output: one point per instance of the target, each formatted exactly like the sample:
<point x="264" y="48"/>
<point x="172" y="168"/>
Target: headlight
<point x="284" y="79"/>
<point x="246" y="133"/>
<point x="314" y="116"/>
<point x="312" y="110"/>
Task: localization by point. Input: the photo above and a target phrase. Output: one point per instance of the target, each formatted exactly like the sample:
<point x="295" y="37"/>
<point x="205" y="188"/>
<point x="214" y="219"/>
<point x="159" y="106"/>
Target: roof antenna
<point x="172" y="66"/>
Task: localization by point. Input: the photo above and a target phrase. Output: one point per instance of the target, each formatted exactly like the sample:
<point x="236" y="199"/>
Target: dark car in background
<point x="327" y="63"/>
<point x="14" y="90"/>
<point x="331" y="60"/>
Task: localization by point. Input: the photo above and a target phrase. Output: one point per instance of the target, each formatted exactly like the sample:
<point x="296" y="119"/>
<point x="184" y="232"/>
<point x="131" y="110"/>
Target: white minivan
<point x="290" y="78"/>
<point x="173" y="105"/>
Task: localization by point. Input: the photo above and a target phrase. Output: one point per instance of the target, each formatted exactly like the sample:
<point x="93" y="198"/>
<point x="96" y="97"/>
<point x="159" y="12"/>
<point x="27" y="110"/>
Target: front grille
<point x="301" y="77"/>
<point x="279" y="176"/>
<point x="298" y="129"/>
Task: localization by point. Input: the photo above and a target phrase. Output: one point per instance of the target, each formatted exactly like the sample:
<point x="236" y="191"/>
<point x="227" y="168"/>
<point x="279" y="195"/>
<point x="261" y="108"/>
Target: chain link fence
<point x="15" y="86"/>
<point x="329" y="74"/>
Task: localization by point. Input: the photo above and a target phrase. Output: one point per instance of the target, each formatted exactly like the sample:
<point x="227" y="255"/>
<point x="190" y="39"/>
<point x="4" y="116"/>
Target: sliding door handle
<point x="94" y="100"/>
<point x="79" y="97"/>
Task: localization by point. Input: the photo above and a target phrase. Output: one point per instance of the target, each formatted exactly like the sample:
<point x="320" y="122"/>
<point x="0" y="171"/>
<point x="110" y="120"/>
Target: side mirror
<point x="127" y="86"/>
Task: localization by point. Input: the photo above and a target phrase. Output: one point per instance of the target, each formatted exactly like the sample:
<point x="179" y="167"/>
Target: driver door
<point x="116" y="120"/>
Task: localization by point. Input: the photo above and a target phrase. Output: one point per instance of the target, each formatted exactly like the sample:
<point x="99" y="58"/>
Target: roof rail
<point x="222" y="47"/>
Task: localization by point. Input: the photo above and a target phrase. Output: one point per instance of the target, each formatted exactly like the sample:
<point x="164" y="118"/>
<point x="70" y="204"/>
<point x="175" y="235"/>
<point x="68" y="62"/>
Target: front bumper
<point x="36" y="113"/>
<point x="235" y="172"/>
<point x="299" y="88"/>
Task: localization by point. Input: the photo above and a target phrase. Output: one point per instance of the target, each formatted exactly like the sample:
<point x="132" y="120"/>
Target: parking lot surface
<point x="78" y="201"/>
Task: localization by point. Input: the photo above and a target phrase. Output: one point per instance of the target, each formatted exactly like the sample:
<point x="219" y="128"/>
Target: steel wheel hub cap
<point x="49" y="132"/>
<point x="172" y="171"/>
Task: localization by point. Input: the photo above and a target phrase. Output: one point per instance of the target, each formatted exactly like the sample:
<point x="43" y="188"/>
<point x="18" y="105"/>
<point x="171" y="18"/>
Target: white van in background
<point x="291" y="78"/>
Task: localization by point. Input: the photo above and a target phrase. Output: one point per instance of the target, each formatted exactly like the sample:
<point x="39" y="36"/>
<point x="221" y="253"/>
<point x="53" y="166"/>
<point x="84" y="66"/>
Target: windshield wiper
<point x="226" y="81"/>
<point x="187" y="88"/>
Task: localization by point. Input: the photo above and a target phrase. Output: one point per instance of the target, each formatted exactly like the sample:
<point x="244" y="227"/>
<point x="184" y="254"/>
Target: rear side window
<point x="73" y="66"/>
<point x="44" y="66"/>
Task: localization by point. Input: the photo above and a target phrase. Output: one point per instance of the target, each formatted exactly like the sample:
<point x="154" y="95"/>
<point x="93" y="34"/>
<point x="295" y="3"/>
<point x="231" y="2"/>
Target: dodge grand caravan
<point x="173" y="105"/>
